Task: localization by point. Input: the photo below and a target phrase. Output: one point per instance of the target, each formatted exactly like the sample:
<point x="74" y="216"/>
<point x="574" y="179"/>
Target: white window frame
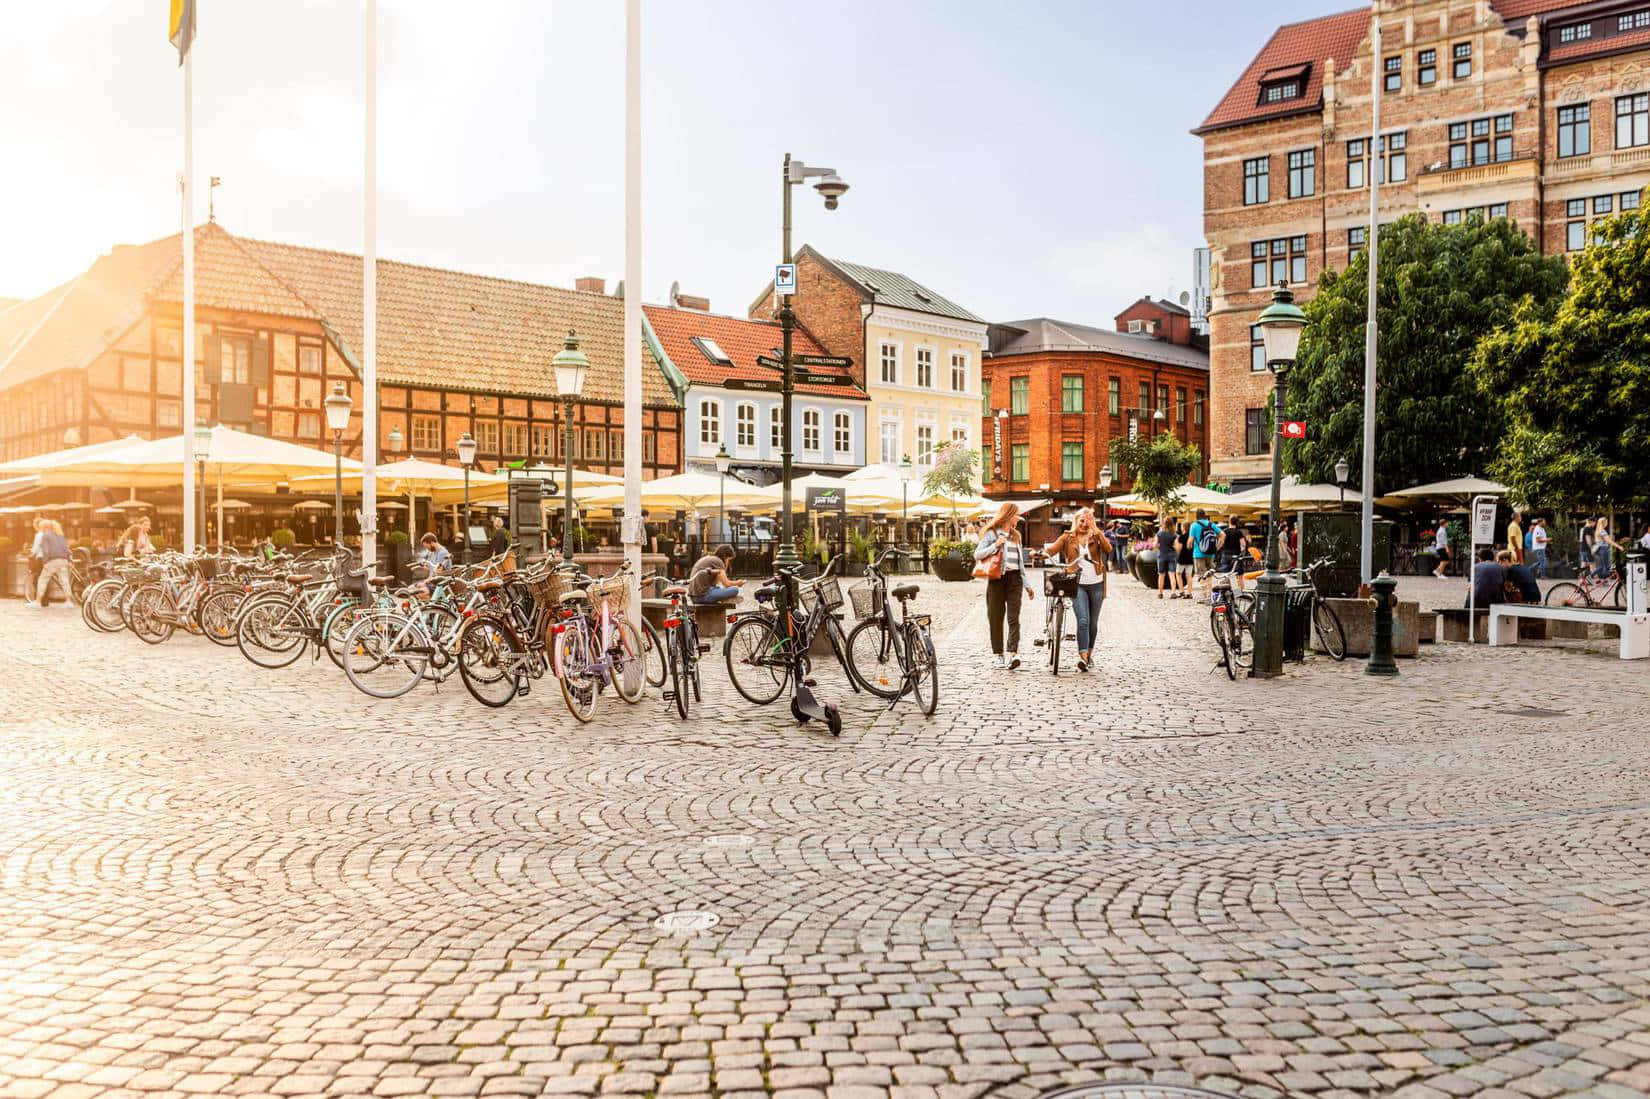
<point x="916" y="369"/>
<point x="959" y="423"/>
<point x="959" y="362"/>
<point x="710" y="422"/>
<point x="888" y="356"/>
<point x="776" y="430"/>
<point x="818" y="428"/>
<point x="842" y="432"/>
<point x="883" y="425"/>
<point x="925" y="459"/>
<point x="740" y="423"/>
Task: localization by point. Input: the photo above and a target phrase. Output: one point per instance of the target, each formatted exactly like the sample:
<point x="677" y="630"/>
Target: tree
<point x="953" y="473"/>
<point x="1574" y="385"/>
<point x="1158" y="468"/>
<point x="1440" y="289"/>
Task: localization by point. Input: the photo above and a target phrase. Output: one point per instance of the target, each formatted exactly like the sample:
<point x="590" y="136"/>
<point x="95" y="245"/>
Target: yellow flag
<point x="181" y="30"/>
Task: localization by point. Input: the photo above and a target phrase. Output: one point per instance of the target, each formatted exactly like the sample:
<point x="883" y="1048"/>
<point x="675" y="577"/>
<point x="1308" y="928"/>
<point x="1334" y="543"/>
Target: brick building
<point x="277" y="325"/>
<point x="1536" y="110"/>
<point x="1057" y="393"/>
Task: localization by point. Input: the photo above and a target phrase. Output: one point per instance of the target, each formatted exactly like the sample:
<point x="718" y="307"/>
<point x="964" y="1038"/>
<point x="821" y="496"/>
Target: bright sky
<point x="1029" y="159"/>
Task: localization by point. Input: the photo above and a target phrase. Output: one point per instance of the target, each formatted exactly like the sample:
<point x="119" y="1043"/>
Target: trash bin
<point x="1297" y="621"/>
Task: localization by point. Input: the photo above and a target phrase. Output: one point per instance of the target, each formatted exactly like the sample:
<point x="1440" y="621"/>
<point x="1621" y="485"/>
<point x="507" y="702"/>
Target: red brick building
<point x="1534" y="110"/>
<point x="1057" y="393"/>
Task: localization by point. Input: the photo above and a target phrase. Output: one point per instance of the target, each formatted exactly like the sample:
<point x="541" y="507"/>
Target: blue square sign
<point x="784" y="279"/>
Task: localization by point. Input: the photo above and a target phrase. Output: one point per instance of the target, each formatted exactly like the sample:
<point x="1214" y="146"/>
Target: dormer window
<point x="1575" y="32"/>
<point x="1277" y="93"/>
<point x="1283" y="84"/>
<point x="1633" y="21"/>
<point x="711" y="351"/>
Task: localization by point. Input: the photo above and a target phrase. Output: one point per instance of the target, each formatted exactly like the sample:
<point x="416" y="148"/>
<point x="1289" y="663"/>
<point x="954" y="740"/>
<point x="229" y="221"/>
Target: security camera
<point x="832" y="187"/>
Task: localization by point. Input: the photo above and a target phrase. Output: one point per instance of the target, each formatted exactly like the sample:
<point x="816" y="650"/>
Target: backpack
<point x="1209" y="541"/>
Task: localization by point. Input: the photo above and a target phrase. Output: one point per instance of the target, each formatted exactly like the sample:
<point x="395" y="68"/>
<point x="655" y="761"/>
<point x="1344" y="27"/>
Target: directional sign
<point x="784" y="278"/>
<point x="824" y="379"/>
<point x="750" y="384"/>
<point x="824" y="360"/>
<point x="763" y="360"/>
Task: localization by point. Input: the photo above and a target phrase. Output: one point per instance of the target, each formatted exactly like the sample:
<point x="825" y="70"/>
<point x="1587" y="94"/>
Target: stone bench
<point x="711" y="618"/>
<point x="1426" y="626"/>
<point x="1358" y="622"/>
<point x="1506" y="622"/>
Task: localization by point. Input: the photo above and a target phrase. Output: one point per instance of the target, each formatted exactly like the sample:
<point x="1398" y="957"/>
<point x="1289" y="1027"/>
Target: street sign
<point x="776" y="364"/>
<point x="824" y="360"/>
<point x="823" y="379"/>
<point x="827" y="499"/>
<point x="1294" y="429"/>
<point x="784" y="278"/>
<point x="1483" y="522"/>
<point x="996" y="448"/>
<point x="1134" y="429"/>
<point x="753" y="384"/>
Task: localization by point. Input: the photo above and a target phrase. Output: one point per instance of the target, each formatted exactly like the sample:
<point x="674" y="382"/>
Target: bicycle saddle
<point x="380" y="581"/>
<point x="676" y="589"/>
<point x="766" y="592"/>
<point x="906" y="591"/>
<point x="577" y="595"/>
<point x="488" y="585"/>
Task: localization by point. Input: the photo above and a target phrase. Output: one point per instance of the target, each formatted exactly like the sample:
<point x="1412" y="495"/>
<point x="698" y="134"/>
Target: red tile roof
<point x="742" y="341"/>
<point x="1521" y="10"/>
<point x="1297" y="44"/>
<point x="1589" y="47"/>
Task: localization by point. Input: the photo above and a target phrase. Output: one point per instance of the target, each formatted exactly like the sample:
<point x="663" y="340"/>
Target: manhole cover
<point x="686" y="922"/>
<point x="728" y="841"/>
<point x="1133" y="1091"/>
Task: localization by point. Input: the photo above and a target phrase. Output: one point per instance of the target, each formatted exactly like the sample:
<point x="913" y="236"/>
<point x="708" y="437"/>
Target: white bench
<point x="1635" y="628"/>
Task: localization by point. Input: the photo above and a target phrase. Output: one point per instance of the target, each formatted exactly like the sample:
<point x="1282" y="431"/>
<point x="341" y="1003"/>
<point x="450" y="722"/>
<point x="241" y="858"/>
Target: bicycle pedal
<point x="810" y="682"/>
<point x="1071" y="637"/>
<point x="526" y="688"/>
<point x="704" y="647"/>
<point x="669" y="696"/>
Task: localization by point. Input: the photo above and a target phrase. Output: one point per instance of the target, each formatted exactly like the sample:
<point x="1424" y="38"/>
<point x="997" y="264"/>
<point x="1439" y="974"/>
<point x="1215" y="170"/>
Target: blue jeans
<point x="1087" y="604"/>
<point x="717" y="594"/>
<point x="1603" y="569"/>
<point x="1541" y="562"/>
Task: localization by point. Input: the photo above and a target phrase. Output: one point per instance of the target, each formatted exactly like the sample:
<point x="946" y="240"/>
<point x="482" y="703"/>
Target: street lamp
<point x="904" y="496"/>
<point x="466" y="458"/>
<point x="203" y="443"/>
<point x="1342" y="472"/>
<point x="724" y="462"/>
<point x="395" y="440"/>
<point x="1105" y="491"/>
<point x="570" y="365"/>
<point x="338" y="407"/>
<point x="1281" y="325"/>
<point x="832" y="187"/>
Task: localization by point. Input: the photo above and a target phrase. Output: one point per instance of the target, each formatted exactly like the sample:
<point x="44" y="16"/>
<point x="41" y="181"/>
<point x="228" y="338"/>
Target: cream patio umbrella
<point x="74" y="454"/>
<point x="1459" y="492"/>
<point x="689" y="491"/>
<point x="237" y="457"/>
<point x="1294" y="496"/>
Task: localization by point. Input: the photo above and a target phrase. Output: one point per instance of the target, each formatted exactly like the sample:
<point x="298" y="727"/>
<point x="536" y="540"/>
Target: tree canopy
<point x="1440" y="289"/>
<point x="953" y="473"/>
<point x="1158" y="468"/>
<point x="1574" y="384"/>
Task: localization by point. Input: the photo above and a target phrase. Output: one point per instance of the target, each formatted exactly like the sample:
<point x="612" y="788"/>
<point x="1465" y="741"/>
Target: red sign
<point x="1294" y="429"/>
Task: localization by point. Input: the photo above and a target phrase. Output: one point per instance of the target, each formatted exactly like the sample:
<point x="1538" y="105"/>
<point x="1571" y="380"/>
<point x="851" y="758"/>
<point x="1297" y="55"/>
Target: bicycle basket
<point x="1056" y="583"/>
<point x="826" y="591"/>
<point x="616" y="590"/>
<point x="352" y="583"/>
<point x="867" y="599"/>
<point x="207" y="567"/>
<point x="545" y="587"/>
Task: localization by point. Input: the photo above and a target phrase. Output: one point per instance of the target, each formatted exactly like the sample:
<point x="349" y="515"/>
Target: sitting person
<point x="434" y="556"/>
<point x="1520" y="580"/>
<point x="1488" y="580"/>
<point x="709" y="583"/>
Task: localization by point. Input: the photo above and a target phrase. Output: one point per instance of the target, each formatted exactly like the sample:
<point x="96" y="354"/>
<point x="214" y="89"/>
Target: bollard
<point x="1385" y="596"/>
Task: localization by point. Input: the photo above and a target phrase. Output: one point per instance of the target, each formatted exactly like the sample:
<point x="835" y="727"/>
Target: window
<point x="1280" y="260"/>
<point x="1632" y="21"/>
<point x="1357" y="239"/>
<point x="1114" y="396"/>
<point x="709" y="348"/>
<point x="1471" y="143"/>
<point x="810" y="430"/>
<point x="888" y="442"/>
<point x="1071" y="393"/>
<point x="985" y="396"/>
<point x="1575" y="32"/>
<point x="1197" y="407"/>
<point x="1019" y="396"/>
<point x="1356" y="151"/>
<point x="168" y="413"/>
<point x="1257" y="180"/>
<point x="1575" y="130"/>
<point x="309" y="425"/>
<point x="236" y="358"/>
<point x="842" y="434"/>
<point x="1257" y="263"/>
<point x="986" y="470"/>
<point x="1179" y="405"/>
<point x="710" y="423"/>
<point x="1503" y="138"/>
<point x="959" y="372"/>
<point x="1498" y="209"/>
<point x="1461" y="69"/>
<point x="1144" y="408"/>
<point x="1426" y="68"/>
<point x="1162" y="400"/>
<point x="1603" y="204"/>
<point x="1256" y="439"/>
<point x="744" y="425"/>
<point x="1019" y="462"/>
<point x="776" y="430"/>
<point x="426" y="432"/>
<point x="1396" y="148"/>
<point x="1303" y="173"/>
<point x="545" y="440"/>
<point x="1136" y="327"/>
<point x="1280" y="90"/>
<point x="595" y="442"/>
<point x="889" y="355"/>
<point x="1633" y="121"/>
<point x="1394" y="73"/>
<point x="925" y="444"/>
<point x="487" y="436"/>
<point x="1071" y="461"/>
<point x="309" y="358"/>
<point x="515" y="440"/>
<point x="1452" y="217"/>
<point x="1629" y="200"/>
<point x="925" y="367"/>
<point x="959" y="434"/>
<point x="1575" y="230"/>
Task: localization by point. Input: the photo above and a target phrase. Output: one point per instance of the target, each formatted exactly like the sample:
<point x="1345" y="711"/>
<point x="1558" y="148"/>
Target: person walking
<point x="1538" y="546"/>
<point x="1084" y="550"/>
<point x="1234" y="551"/>
<point x="36" y="562"/>
<point x="54" y="555"/>
<point x="1204" y="537"/>
<point x="1440" y="546"/>
<point x="1004" y="559"/>
<point x="1515" y="539"/>
<point x="1168" y="559"/>
<point x="1584" y="546"/>
<point x="1602" y="545"/>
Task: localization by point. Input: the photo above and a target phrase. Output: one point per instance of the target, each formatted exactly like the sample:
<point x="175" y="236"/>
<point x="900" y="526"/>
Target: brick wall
<point x="828" y="307"/>
<point x="1172" y="326"/>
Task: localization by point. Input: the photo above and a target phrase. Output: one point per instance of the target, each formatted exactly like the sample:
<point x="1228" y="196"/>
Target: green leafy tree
<point x="1440" y="289"/>
<point x="1575" y="384"/>
<point x="1158" y="468"/>
<point x="953" y="473"/>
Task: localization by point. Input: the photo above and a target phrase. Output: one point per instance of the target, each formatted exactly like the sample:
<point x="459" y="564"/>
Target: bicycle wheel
<point x="756" y="660"/>
<point x="925" y="671"/>
<point x="488" y="661"/>
<point x="1327" y="625"/>
<point x="1056" y="634"/>
<point x="678" y="669"/>
<point x="578" y="677"/>
<point x="626" y="667"/>
<point x="1567" y="593"/>
<point x="1222" y="631"/>
<point x="337" y="622"/>
<point x="270" y="631"/>
<point x="655" y="649"/>
<point x="216" y="614"/>
<point x="1242" y="640"/>
<point x="101" y="608"/>
<point x="874" y="658"/>
<point x="384" y="654"/>
<point x="690" y="634"/>
<point x="151" y="615"/>
<point x="1618" y="594"/>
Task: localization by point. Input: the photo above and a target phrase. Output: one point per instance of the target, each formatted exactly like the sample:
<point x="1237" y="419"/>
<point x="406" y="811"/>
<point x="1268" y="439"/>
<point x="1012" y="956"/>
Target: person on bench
<point x="709" y="581"/>
<point x="1488" y="578"/>
<point x="1520" y="580"/>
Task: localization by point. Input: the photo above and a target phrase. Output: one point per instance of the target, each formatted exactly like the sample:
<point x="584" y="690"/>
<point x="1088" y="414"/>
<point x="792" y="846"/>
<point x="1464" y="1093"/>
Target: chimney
<point x="590" y="284"/>
<point x="688" y="301"/>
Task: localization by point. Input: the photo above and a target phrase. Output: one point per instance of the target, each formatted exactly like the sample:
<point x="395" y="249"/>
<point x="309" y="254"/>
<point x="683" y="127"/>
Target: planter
<point x="952" y="567"/>
<point x="853" y="568"/>
<point x="1144" y="566"/>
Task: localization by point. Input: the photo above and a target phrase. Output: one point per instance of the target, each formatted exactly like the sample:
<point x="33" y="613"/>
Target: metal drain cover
<point x="732" y="839"/>
<point x="686" y="922"/>
<point x="1133" y="1091"/>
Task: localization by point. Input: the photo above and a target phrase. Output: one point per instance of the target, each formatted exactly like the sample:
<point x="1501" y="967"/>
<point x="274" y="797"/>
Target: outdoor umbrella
<point x="233" y="457"/>
<point x="689" y="491"/>
<point x="1294" y="496"/>
<point x="74" y="454"/>
<point x="1459" y="491"/>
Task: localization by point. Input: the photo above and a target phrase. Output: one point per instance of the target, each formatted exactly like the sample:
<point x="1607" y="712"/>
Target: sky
<point x="1023" y="160"/>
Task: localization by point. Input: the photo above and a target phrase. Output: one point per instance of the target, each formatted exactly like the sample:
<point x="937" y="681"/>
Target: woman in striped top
<point x="1002" y="595"/>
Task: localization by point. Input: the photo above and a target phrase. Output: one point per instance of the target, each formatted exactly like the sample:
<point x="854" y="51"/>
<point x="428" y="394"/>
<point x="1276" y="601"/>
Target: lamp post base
<point x="1269" y="607"/>
<point x="786" y="557"/>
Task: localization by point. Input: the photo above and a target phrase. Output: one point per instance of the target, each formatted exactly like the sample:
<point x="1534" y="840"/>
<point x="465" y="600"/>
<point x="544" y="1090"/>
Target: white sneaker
<point x="998" y="662"/>
<point x="1013" y="661"/>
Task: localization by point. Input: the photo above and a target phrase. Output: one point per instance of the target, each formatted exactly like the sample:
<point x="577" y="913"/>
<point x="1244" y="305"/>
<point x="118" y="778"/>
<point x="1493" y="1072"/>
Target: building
<point x="1535" y="110"/>
<point x="1057" y="393"/>
<point x="277" y="325"/>
<point x="914" y="352"/>
<point x="730" y="399"/>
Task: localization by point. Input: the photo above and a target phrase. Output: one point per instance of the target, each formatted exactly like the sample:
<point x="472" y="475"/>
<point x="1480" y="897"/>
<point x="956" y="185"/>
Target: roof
<point x="1593" y="47"/>
<point x="437" y="328"/>
<point x="894" y="289"/>
<point x="742" y="341"/>
<point x="1042" y="334"/>
<point x="1293" y="46"/>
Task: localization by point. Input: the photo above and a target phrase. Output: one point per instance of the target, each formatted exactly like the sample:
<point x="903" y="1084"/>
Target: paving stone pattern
<point x="220" y="880"/>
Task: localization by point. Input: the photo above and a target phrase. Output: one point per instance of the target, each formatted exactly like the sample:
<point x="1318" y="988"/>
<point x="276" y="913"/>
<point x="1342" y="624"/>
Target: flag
<point x="181" y="30"/>
<point x="1294" y="429"/>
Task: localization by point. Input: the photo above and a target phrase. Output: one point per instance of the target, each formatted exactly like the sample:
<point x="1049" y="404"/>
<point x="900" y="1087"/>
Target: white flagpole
<point x="1366" y="552"/>
<point x="369" y="310"/>
<point x="190" y="535"/>
<point x="632" y="527"/>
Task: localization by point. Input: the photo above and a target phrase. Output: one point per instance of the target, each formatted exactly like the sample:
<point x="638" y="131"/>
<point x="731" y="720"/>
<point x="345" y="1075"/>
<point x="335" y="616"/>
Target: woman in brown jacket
<point x="1084" y="551"/>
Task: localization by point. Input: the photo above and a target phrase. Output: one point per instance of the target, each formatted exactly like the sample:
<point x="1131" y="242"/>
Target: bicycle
<point x="880" y="644"/>
<point x="505" y="645"/>
<point x="1060" y="588"/>
<point x="596" y="644"/>
<point x="1588" y="591"/>
<point x="1231" y="618"/>
<point x="767" y="650"/>
<point x="1325" y="622"/>
<point x="682" y="649"/>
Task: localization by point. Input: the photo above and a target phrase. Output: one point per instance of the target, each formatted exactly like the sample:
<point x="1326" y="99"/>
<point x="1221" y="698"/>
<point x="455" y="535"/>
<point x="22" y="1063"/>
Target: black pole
<point x="786" y="557"/>
<point x="200" y="483"/>
<point x="337" y="489"/>
<point x="567" y="506"/>
<point x="464" y="519"/>
<point x="1269" y="589"/>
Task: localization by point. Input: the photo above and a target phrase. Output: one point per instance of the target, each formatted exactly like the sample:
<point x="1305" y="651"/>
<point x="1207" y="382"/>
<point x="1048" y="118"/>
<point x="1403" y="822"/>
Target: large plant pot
<point x="952" y="567"/>
<point x="1144" y="566"/>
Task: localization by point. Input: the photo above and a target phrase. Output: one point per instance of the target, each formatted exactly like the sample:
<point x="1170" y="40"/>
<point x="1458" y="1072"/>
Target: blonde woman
<point x="1084" y="550"/>
<point x="1000" y="540"/>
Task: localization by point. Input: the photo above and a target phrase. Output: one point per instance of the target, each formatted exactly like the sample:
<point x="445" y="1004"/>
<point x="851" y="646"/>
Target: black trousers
<point x="1002" y="599"/>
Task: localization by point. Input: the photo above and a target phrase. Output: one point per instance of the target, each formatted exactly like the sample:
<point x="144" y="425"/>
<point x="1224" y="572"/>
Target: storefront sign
<point x="827" y="500"/>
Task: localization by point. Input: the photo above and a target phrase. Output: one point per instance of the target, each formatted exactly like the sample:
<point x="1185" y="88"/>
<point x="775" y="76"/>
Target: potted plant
<point x="861" y="549"/>
<point x="399" y="549"/>
<point x="282" y="539"/>
<point x="952" y="559"/>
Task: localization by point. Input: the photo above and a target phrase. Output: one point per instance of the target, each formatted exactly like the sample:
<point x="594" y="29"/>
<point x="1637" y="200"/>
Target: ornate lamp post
<point x="832" y="187"/>
<point x="905" y="468"/>
<point x="466" y="458"/>
<point x="338" y="406"/>
<point x="724" y="462"/>
<point x="1342" y="472"/>
<point x="1281" y="325"/>
<point x="1105" y="492"/>
<point x="570" y="365"/>
<point x="203" y="443"/>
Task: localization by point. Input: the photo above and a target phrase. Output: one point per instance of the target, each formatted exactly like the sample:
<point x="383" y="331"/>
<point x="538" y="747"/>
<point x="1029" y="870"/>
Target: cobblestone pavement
<point x="218" y="880"/>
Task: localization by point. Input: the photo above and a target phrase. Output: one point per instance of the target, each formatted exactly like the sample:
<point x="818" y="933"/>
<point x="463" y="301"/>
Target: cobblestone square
<point x="220" y="880"/>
